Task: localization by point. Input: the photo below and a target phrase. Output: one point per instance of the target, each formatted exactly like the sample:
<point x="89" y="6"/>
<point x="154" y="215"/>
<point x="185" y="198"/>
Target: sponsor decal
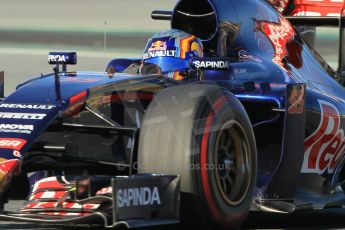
<point x="161" y="47"/>
<point x="247" y="56"/>
<point x="62" y="58"/>
<point x="12" y="143"/>
<point x="16" y="128"/>
<point x="325" y="147"/>
<point x="160" y="53"/>
<point x="211" y="64"/>
<point x="17" y="154"/>
<point x="26" y="106"/>
<point x="279" y="34"/>
<point x="29" y="116"/>
<point x="296" y="100"/>
<point x="140" y="196"/>
<point x="158" y="45"/>
<point x="57" y="58"/>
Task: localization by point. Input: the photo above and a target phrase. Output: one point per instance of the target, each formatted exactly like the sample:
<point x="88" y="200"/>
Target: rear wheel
<point x="203" y="134"/>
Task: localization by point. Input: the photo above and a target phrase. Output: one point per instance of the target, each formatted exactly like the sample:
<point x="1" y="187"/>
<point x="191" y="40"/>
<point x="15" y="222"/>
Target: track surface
<point x="30" y="29"/>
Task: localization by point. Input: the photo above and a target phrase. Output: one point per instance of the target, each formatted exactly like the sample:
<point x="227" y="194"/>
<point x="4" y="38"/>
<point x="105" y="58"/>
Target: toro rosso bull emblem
<point x="325" y="147"/>
<point x="279" y="34"/>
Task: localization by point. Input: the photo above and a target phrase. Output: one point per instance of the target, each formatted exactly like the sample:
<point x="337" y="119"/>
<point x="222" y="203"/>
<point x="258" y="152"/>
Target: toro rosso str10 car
<point x="255" y="124"/>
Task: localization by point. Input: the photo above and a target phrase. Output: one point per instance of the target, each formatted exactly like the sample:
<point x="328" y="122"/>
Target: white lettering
<point x="146" y="196"/>
<point x="142" y="196"/>
<point x="26" y="106"/>
<point x="30" y="116"/>
<point x="9" y="143"/>
<point x="119" y="198"/>
<point x="211" y="64"/>
<point x="56" y="58"/>
<point x="155" y="196"/>
<point x="16" y="128"/>
<point x="160" y="53"/>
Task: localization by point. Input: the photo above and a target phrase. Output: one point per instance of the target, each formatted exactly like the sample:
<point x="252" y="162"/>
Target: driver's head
<point x="171" y="50"/>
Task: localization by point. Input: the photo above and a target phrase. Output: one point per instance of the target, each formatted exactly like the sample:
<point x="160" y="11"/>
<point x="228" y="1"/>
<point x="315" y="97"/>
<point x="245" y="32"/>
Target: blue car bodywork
<point x="293" y="99"/>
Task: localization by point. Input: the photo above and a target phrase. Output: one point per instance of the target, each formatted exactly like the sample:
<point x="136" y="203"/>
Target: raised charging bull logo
<point x="325" y="147"/>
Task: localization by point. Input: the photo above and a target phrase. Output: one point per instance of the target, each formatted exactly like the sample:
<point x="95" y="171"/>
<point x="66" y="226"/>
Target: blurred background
<point x="97" y="30"/>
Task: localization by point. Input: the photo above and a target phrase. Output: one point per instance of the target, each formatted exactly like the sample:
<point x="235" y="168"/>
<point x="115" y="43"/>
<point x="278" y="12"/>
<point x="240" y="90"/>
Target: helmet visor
<point x="169" y="64"/>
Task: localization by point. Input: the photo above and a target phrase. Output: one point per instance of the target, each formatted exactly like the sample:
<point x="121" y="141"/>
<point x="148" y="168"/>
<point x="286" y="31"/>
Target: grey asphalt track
<point x="30" y="29"/>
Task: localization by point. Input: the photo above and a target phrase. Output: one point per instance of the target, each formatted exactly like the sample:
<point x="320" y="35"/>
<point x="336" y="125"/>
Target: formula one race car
<point x="257" y="123"/>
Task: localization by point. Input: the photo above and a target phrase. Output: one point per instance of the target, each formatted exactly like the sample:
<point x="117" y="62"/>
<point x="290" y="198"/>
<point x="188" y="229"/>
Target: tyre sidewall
<point x="220" y="213"/>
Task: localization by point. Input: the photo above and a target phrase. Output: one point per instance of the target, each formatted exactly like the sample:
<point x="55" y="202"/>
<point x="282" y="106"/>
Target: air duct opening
<point x="200" y="21"/>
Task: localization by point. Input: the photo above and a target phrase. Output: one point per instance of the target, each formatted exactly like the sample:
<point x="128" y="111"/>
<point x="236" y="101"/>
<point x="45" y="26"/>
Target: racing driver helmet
<point x="171" y="51"/>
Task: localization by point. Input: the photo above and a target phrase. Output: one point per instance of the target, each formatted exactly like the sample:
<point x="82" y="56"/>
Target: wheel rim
<point x="233" y="162"/>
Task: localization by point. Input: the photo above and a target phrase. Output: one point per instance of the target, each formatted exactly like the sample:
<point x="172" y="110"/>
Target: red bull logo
<point x="157" y="45"/>
<point x="325" y="148"/>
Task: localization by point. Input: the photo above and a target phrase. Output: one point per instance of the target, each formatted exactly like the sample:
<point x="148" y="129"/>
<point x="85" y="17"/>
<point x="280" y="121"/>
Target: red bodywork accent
<point x="279" y="34"/>
<point x="48" y="184"/>
<point x="12" y="143"/>
<point x="50" y="195"/>
<point x="46" y="194"/>
<point x="8" y="166"/>
<point x="65" y="205"/>
<point x="309" y="7"/>
<point x="317" y="8"/>
<point x="78" y="97"/>
<point x="204" y="150"/>
<point x="76" y="103"/>
<point x="326" y="146"/>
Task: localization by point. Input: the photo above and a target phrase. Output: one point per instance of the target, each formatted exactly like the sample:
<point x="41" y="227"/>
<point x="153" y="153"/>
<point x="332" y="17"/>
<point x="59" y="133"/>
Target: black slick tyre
<point x="203" y="134"/>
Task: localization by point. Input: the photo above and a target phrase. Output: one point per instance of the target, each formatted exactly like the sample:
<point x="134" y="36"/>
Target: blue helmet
<point x="172" y="49"/>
